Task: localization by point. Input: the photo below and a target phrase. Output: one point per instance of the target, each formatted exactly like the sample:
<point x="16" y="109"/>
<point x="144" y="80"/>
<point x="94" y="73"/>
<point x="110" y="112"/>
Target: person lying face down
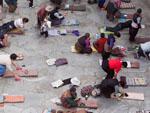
<point x="144" y="50"/>
<point x="112" y="66"/>
<point x="83" y="44"/>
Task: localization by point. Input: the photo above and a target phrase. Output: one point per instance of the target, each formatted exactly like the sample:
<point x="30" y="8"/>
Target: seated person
<point x="55" y="17"/>
<point x="99" y="44"/>
<point x="4" y="41"/>
<point x="109" y="46"/>
<point x="144" y="50"/>
<point x="83" y="44"/>
<point x="112" y="67"/>
<point x="6" y="61"/>
<point x="68" y="98"/>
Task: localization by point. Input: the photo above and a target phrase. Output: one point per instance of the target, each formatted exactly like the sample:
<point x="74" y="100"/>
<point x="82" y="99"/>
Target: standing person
<point x="99" y="44"/>
<point x="6" y="62"/>
<point x="4" y="41"/>
<point x="135" y="25"/>
<point x="55" y="17"/>
<point x="83" y="44"/>
<point x="144" y="50"/>
<point x="112" y="67"/>
<point x="43" y="13"/>
<point x="44" y="28"/>
<point x="69" y="98"/>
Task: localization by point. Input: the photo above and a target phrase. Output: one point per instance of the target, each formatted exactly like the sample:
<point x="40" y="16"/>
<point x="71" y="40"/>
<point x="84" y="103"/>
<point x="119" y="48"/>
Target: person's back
<point x="107" y="87"/>
<point x="99" y="44"/>
<point x="146" y="46"/>
<point x="5" y="59"/>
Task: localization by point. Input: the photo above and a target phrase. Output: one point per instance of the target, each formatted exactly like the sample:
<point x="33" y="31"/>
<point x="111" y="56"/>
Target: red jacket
<point x="116" y="64"/>
<point x="42" y="13"/>
<point x="100" y="44"/>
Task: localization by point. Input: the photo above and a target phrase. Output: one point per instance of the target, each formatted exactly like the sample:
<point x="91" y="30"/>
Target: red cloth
<point x="100" y="44"/>
<point x="115" y="64"/>
<point x="42" y="13"/>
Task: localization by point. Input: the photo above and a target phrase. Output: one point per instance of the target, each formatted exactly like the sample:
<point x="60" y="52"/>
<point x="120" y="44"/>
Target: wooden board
<point x="134" y="96"/>
<point x="73" y="50"/>
<point x="127" y="5"/>
<point x="31" y="73"/>
<point x="16" y="31"/>
<point x="92" y="104"/>
<point x="135" y="64"/>
<point x="139" y="40"/>
<point x="136" y="81"/>
<point x="102" y="30"/>
<point x="14" y="99"/>
<point x="81" y="7"/>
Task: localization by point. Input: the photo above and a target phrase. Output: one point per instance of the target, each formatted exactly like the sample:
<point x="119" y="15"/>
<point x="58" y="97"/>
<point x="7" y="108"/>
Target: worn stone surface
<point x="36" y="49"/>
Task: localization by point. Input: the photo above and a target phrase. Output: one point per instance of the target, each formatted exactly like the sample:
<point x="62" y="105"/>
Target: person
<point x="135" y="25"/>
<point x="111" y="88"/>
<point x="18" y="23"/>
<point x="43" y="13"/>
<point x="112" y="10"/>
<point x="55" y="17"/>
<point x="30" y="3"/>
<point x="144" y="50"/>
<point x="6" y="62"/>
<point x="112" y="66"/>
<point x="120" y="26"/>
<point x="4" y="41"/>
<point x="99" y="44"/>
<point x="69" y="98"/>
<point x="44" y="28"/>
<point x="109" y="46"/>
<point x="101" y="3"/>
<point x="83" y="44"/>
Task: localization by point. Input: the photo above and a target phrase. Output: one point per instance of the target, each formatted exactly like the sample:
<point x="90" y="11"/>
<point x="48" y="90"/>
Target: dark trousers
<point x="105" y="67"/>
<point x="30" y="3"/>
<point x="105" y="55"/>
<point x="133" y="32"/>
<point x="45" y="33"/>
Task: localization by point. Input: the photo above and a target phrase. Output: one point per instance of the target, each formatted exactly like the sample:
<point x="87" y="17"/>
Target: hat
<point x="75" y="81"/>
<point x="48" y="8"/>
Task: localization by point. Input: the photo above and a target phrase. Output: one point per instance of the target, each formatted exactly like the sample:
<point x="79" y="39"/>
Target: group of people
<point x="48" y="16"/>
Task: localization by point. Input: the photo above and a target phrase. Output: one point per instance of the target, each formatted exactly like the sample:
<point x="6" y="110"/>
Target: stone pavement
<point x="36" y="49"/>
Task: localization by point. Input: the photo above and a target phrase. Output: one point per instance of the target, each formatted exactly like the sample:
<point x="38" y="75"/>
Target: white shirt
<point x="5" y="60"/>
<point x="146" y="46"/>
<point x="18" y="23"/>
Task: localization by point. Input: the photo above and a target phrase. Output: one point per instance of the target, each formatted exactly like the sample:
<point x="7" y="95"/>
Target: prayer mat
<point x="139" y="40"/>
<point x="136" y="81"/>
<point x="16" y="31"/>
<point x="22" y="73"/>
<point x="81" y="7"/>
<point x="133" y="64"/>
<point x="61" y="61"/>
<point x="70" y="22"/>
<point x="92" y="104"/>
<point x="73" y="50"/>
<point x="134" y="96"/>
<point x="127" y="5"/>
<point x="14" y="99"/>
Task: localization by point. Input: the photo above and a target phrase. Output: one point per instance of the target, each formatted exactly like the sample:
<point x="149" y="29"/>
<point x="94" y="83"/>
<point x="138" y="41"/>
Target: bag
<point x="61" y="61"/>
<point x="87" y="90"/>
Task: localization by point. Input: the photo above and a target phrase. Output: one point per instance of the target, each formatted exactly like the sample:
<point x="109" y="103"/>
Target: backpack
<point x="87" y="90"/>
